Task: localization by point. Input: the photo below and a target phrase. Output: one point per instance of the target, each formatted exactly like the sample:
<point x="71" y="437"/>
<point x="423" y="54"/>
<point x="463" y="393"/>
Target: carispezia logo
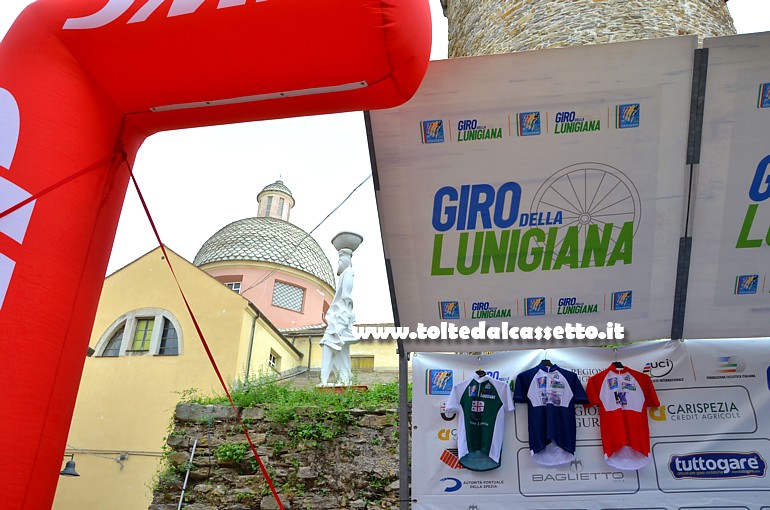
<point x="696" y="411"/>
<point x="432" y="131"/>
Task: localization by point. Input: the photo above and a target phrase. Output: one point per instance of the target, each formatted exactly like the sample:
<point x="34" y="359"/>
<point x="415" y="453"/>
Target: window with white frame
<point x="288" y="296"/>
<point x="143" y="332"/>
<point x="274" y="361"/>
<point x="235" y="286"/>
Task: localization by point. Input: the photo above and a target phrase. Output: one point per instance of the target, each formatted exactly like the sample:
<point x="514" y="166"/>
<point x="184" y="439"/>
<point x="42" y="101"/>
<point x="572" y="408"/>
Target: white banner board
<point x="714" y="396"/>
<point x="729" y="283"/>
<point x="538" y="189"/>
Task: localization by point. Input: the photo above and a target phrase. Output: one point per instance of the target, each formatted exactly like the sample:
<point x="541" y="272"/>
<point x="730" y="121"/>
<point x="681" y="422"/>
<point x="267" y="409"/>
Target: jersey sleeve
<point x="453" y="402"/>
<point x="520" y="389"/>
<point x="592" y="389"/>
<point x="507" y="397"/>
<point x="650" y="395"/>
<point x="579" y="394"/>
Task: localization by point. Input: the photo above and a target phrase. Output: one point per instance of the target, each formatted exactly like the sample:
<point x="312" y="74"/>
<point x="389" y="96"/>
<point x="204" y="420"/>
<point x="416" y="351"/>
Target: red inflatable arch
<point x="83" y="83"/>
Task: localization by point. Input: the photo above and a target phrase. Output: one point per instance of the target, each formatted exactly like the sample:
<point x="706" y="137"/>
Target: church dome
<point x="267" y="240"/>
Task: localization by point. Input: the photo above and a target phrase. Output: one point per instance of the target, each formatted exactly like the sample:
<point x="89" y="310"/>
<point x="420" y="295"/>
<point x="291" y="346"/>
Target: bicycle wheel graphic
<point x="589" y="194"/>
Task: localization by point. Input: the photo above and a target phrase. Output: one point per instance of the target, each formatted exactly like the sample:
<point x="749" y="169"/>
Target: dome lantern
<point x="275" y="201"/>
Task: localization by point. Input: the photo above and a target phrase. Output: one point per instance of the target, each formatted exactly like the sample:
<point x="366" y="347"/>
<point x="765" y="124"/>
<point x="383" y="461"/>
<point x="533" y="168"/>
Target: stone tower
<point x="483" y="27"/>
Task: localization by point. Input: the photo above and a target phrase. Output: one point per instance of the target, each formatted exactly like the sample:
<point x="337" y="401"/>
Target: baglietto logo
<point x="714" y="465"/>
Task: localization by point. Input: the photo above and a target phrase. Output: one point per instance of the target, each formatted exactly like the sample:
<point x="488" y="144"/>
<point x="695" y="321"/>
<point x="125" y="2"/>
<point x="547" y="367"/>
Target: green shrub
<point x="231" y="452"/>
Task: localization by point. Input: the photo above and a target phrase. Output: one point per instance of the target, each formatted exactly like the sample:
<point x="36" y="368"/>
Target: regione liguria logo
<point x="116" y="8"/>
<point x="13" y="225"/>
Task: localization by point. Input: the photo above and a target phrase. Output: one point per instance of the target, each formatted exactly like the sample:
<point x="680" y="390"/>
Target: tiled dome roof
<point x="276" y="186"/>
<point x="268" y="240"/>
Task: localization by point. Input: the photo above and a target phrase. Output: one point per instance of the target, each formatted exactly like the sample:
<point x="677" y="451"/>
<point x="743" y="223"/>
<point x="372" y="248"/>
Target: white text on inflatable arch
<point x="116" y="8"/>
<point x="15" y="224"/>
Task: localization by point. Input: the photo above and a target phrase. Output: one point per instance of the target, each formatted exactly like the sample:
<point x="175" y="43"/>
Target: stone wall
<point x="482" y="27"/>
<point x="319" y="461"/>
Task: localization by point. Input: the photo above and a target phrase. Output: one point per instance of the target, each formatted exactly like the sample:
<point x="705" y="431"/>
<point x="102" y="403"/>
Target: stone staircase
<point x="312" y="378"/>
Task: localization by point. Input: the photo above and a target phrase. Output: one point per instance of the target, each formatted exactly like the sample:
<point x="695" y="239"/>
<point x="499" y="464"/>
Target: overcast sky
<point x="198" y="180"/>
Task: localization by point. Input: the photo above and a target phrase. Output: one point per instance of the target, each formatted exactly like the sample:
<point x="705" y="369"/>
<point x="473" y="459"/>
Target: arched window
<point x="169" y="340"/>
<point x="142" y="332"/>
<point x="113" y="345"/>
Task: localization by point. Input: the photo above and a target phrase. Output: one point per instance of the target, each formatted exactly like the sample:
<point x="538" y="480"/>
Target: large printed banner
<point x="709" y="443"/>
<point x="729" y="284"/>
<point x="538" y="189"/>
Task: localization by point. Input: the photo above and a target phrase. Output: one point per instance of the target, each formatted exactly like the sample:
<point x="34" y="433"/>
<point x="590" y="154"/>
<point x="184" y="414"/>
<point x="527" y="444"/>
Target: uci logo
<point x="116" y="8"/>
<point x="659" y="368"/>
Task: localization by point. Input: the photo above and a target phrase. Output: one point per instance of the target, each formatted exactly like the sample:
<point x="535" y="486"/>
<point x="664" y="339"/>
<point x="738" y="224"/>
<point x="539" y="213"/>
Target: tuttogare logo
<point x="715" y="465"/>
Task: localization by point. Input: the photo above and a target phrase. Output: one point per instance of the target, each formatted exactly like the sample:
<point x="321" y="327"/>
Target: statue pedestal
<point x="340" y="388"/>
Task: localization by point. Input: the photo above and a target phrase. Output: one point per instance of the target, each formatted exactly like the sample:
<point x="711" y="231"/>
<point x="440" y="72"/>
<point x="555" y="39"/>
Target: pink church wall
<point x="262" y="294"/>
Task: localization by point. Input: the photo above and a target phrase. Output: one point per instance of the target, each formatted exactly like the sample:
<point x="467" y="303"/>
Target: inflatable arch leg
<point x="84" y="82"/>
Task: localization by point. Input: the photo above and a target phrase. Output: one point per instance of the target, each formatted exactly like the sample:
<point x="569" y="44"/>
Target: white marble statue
<point x="339" y="330"/>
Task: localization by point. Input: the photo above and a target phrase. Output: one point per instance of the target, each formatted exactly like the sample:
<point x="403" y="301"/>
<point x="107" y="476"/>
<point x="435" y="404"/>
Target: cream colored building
<point x="258" y="288"/>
